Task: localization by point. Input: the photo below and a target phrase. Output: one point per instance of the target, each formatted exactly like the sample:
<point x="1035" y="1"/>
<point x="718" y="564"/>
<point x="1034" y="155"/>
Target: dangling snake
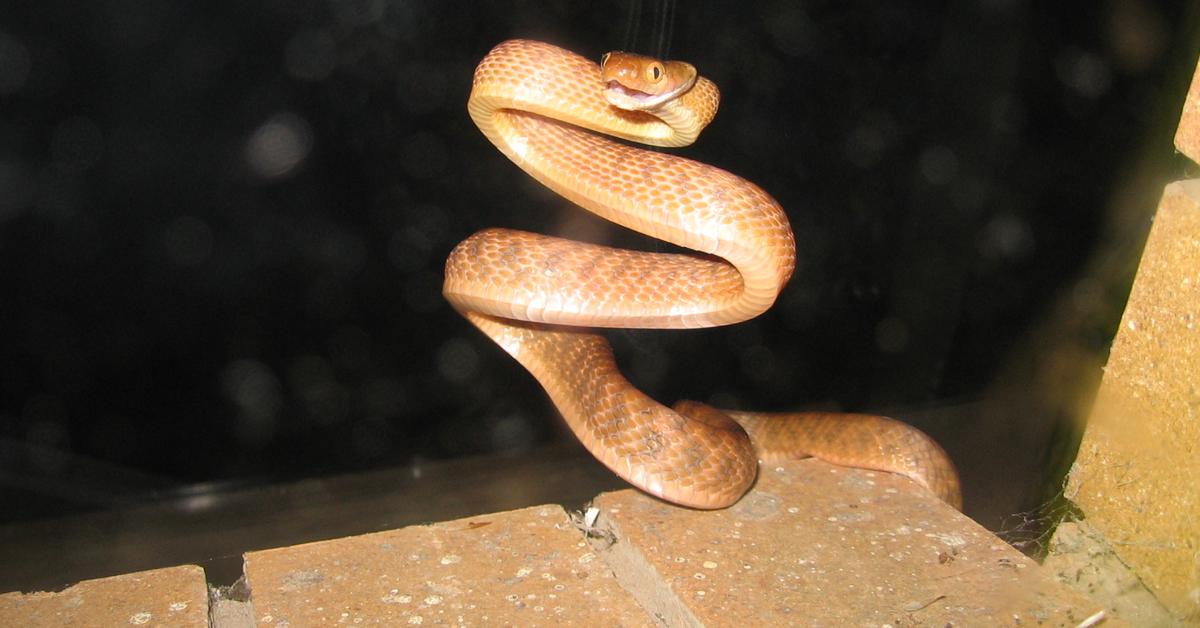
<point x="533" y="294"/>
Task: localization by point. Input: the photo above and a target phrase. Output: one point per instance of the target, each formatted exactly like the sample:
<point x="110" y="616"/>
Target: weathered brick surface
<point x="176" y="596"/>
<point x="527" y="567"/>
<point x="820" y="545"/>
<point x="1136" y="474"/>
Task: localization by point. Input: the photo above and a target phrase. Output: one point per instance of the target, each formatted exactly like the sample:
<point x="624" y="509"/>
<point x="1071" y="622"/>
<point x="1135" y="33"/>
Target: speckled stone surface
<point x="176" y="596"/>
<point x="819" y="545"/>
<point x="1138" y="466"/>
<point x="527" y="567"/>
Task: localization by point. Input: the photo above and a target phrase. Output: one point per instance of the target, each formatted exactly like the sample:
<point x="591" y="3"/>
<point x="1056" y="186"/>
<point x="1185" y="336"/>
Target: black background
<point x="222" y="224"/>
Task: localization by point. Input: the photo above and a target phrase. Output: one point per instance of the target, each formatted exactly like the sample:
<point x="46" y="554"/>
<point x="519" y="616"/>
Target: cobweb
<point x="1031" y="531"/>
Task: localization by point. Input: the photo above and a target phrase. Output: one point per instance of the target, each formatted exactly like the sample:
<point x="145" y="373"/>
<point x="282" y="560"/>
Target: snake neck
<point x="688" y="114"/>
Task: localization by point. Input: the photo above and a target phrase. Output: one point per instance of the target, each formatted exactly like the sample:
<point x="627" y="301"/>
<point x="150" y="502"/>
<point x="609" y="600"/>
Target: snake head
<point x="637" y="82"/>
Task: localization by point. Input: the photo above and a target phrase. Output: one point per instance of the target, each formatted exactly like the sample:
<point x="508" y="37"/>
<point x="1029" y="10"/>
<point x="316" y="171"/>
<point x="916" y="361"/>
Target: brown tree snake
<point x="536" y="295"/>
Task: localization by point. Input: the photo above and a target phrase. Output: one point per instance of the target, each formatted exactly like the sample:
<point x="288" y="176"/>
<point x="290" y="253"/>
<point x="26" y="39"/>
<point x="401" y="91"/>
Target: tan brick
<point x="527" y="567"/>
<point x="1187" y="136"/>
<point x="1136" y="474"/>
<point x="176" y="596"/>
<point x="816" y="544"/>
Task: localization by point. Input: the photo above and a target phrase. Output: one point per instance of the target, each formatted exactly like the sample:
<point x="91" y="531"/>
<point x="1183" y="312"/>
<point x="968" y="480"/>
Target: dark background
<point x="222" y="224"/>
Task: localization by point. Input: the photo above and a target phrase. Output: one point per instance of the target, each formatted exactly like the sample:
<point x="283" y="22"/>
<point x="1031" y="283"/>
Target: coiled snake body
<point x="534" y="295"/>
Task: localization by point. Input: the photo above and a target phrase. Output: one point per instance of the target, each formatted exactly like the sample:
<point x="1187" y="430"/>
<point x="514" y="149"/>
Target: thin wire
<point x="666" y="28"/>
<point x="633" y="23"/>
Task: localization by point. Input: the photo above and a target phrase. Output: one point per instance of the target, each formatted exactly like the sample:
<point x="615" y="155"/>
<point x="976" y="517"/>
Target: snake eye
<point x="655" y="72"/>
<point x="604" y="59"/>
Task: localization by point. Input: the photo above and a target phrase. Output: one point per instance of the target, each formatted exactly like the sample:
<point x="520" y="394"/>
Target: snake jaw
<point x="623" y="97"/>
<point x="631" y="99"/>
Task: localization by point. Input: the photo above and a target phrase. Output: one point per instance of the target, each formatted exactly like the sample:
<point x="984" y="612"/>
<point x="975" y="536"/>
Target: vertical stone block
<point x="1187" y="136"/>
<point x="1136" y="477"/>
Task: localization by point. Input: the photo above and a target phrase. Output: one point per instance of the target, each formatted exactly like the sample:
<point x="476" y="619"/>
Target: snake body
<point x="536" y="295"/>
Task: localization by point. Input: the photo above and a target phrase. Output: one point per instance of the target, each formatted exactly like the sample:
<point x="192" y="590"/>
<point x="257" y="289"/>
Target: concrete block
<point x="175" y="596"/>
<point x="1136" y="474"/>
<point x="820" y="545"/>
<point x="1187" y="135"/>
<point x="528" y="567"/>
<point x="1081" y="559"/>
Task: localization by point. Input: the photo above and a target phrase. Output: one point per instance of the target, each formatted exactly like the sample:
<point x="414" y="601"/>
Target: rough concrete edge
<point x="637" y="576"/>
<point x="1111" y="583"/>
<point x="232" y="606"/>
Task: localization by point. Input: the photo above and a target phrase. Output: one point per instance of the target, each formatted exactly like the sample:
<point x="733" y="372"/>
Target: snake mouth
<point x="616" y="86"/>
<point x="625" y="97"/>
